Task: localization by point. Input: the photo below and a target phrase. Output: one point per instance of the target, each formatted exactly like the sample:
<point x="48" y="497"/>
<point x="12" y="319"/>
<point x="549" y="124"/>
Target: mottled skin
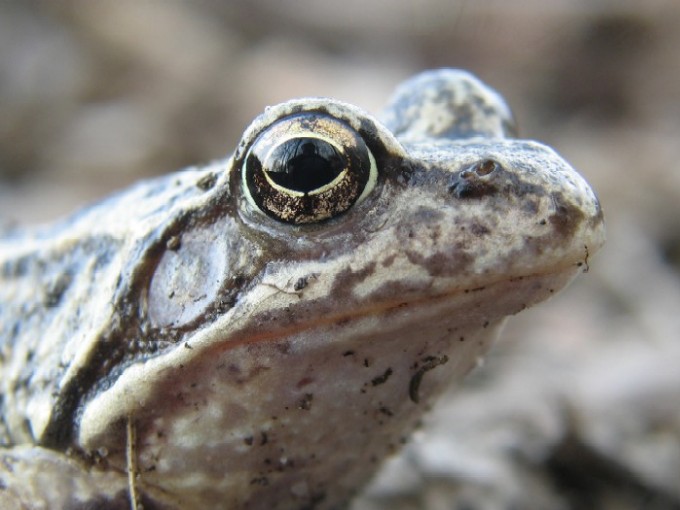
<point x="233" y="361"/>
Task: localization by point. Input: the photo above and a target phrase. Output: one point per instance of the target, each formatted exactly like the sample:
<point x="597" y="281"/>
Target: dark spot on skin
<point x="342" y="322"/>
<point x="56" y="290"/>
<point x="249" y="440"/>
<point x="386" y="411"/>
<point x="206" y="182"/>
<point x="530" y="206"/>
<point x="429" y="363"/>
<point x="478" y="229"/>
<point x="476" y="289"/>
<point x="264" y="439"/>
<point x="389" y="260"/>
<point x="305" y="403"/>
<point x="240" y="376"/>
<point x="303" y="281"/>
<point x="282" y="347"/>
<point x="15" y="268"/>
<point x="441" y="264"/>
<point x="381" y="379"/>
<point x="426" y="215"/>
<point x="347" y="280"/>
<point x="173" y="244"/>
<point x="585" y="261"/>
<point x="567" y="217"/>
<point x="348" y="353"/>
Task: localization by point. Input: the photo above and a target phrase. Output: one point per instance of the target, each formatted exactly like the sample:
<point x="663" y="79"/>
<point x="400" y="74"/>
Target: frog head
<point x="278" y="322"/>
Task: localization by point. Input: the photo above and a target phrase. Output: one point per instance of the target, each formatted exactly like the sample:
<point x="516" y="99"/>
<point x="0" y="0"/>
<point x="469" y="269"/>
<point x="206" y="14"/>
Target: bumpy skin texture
<point x="269" y="365"/>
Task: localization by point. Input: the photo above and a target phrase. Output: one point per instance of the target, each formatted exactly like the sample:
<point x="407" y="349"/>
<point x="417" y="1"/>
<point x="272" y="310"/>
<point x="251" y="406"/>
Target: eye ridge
<point x="306" y="168"/>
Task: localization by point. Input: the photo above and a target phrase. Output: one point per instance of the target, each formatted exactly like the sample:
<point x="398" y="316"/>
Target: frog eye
<point x="307" y="168"/>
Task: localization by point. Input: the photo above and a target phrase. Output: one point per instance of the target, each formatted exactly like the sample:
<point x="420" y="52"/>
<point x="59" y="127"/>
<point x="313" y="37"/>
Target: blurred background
<point x="579" y="404"/>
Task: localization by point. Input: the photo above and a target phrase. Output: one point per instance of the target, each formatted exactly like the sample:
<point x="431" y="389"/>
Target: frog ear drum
<point x="307" y="168"/>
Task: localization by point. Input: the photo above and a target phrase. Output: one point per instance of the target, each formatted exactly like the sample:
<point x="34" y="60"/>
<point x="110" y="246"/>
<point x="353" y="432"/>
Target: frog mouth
<point x="485" y="304"/>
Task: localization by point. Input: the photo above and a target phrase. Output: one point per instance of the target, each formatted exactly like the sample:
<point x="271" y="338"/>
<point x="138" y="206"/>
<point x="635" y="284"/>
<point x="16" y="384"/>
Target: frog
<point x="262" y="331"/>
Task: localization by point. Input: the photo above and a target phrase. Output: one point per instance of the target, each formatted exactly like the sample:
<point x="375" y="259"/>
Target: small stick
<point x="132" y="464"/>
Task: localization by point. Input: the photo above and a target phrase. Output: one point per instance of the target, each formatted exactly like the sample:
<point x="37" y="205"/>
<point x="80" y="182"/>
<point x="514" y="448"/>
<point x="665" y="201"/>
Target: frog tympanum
<point x="260" y="332"/>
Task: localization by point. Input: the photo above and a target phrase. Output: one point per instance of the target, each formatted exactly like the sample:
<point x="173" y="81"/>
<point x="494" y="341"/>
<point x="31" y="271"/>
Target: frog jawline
<point x="551" y="283"/>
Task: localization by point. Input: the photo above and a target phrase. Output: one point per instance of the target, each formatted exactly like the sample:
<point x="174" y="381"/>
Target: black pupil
<point x="304" y="164"/>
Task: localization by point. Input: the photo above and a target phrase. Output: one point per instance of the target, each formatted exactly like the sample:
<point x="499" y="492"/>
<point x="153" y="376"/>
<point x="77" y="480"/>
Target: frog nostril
<point x="485" y="167"/>
<point x="474" y="181"/>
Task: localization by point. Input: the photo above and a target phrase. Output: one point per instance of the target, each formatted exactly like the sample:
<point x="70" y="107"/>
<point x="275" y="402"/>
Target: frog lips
<point x="491" y="302"/>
